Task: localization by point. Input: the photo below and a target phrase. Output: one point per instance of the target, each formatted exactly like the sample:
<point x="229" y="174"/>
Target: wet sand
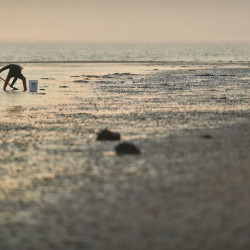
<point x="189" y="189"/>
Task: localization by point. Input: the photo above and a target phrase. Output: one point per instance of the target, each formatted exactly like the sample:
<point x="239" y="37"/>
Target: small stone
<point x="207" y="136"/>
<point x="106" y="135"/>
<point x="126" y="148"/>
<point x="205" y="75"/>
<point x="81" y="81"/>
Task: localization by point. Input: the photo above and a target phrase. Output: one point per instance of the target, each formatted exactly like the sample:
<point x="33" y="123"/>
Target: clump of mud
<point x="126" y="148"/>
<point x="106" y="135"/>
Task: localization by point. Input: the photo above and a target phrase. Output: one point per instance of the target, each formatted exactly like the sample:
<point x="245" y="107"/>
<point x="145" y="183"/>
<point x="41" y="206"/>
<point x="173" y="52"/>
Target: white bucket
<point x="33" y="85"/>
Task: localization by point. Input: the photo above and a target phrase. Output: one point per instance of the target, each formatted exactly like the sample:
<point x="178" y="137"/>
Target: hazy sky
<point x="126" y="20"/>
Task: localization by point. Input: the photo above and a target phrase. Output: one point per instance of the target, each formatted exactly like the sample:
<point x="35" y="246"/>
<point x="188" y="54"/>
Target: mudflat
<point x="189" y="188"/>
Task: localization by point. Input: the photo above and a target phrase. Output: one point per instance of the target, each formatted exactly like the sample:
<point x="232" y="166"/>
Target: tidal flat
<point x="189" y="188"/>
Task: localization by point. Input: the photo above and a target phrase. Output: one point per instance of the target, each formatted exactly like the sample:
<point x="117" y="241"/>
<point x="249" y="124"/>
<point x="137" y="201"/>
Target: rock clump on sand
<point x="206" y="136"/>
<point x="81" y="81"/>
<point x="205" y="75"/>
<point x="126" y="148"/>
<point x="106" y="135"/>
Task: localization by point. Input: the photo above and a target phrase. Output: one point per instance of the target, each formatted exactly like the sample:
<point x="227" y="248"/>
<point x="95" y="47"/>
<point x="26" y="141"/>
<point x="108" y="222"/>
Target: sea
<point x="123" y="52"/>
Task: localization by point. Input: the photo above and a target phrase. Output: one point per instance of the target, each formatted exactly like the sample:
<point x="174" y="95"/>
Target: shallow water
<point x="40" y="52"/>
<point x="124" y="89"/>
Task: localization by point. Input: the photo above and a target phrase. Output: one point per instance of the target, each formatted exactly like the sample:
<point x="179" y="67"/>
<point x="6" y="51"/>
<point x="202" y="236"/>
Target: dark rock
<point x="126" y="148"/>
<point x="207" y="136"/>
<point x="91" y="76"/>
<point x="205" y="75"/>
<point x="41" y="89"/>
<point x="81" y="81"/>
<point x="63" y="87"/>
<point x="107" y="76"/>
<point x="106" y="135"/>
<point x="122" y="74"/>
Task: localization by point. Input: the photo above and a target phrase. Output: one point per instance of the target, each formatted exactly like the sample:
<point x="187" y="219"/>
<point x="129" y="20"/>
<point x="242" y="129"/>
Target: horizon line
<point x="132" y="62"/>
<point x="123" y="41"/>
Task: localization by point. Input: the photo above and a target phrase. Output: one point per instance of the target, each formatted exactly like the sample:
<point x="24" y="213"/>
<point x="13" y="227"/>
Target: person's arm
<point x="4" y="68"/>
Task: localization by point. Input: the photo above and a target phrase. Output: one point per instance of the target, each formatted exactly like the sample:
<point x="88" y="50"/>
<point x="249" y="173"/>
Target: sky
<point x="125" y="20"/>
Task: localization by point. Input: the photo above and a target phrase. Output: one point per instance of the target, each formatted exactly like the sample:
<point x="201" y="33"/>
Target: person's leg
<point x="13" y="82"/>
<point x="24" y="83"/>
<point x="6" y="83"/>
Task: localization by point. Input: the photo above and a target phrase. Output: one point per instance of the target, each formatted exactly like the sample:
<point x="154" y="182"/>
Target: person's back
<point x="15" y="71"/>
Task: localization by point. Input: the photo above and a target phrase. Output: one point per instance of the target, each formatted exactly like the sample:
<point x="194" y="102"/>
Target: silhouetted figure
<point x="16" y="72"/>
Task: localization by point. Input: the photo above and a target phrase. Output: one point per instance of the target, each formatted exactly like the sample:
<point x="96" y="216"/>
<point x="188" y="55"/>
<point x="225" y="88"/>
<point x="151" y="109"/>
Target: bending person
<point x="14" y="71"/>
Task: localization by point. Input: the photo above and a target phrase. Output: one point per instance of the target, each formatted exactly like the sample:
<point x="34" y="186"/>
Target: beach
<point x="60" y="188"/>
